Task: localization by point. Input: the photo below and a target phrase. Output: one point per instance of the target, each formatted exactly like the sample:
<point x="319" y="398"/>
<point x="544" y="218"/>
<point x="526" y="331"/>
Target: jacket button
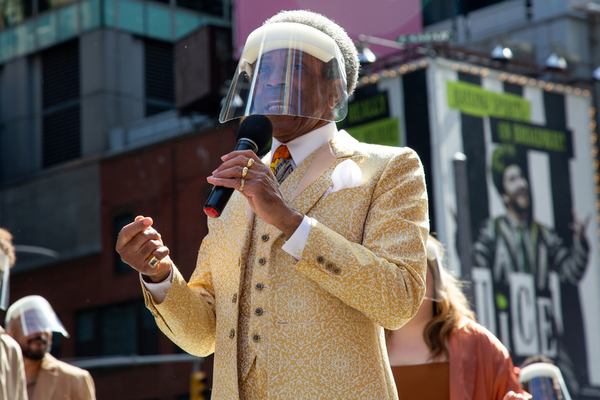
<point x="256" y="338"/>
<point x="259" y="286"/>
<point x="336" y="270"/>
<point x="234" y="298"/>
<point x="320" y="259"/>
<point x="231" y="333"/>
<point x="265" y="237"/>
<point x="262" y="261"/>
<point x="329" y="266"/>
<point x="258" y="311"/>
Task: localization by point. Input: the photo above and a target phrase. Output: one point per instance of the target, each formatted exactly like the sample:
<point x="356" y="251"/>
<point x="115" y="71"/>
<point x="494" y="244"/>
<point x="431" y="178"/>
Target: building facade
<point x="90" y="137"/>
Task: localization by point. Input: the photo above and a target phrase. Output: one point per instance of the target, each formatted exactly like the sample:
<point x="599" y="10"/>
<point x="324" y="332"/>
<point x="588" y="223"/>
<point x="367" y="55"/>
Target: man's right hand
<point x="136" y="245"/>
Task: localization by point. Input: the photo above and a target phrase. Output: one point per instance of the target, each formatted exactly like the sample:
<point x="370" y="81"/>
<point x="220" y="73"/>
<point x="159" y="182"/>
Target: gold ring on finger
<point x="152" y="261"/>
<point x="250" y="162"/>
<point x="242" y="185"/>
<point x="245" y="172"/>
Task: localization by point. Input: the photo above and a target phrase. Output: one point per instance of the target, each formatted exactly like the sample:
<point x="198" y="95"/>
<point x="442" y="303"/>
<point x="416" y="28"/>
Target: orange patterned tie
<point x="281" y="165"/>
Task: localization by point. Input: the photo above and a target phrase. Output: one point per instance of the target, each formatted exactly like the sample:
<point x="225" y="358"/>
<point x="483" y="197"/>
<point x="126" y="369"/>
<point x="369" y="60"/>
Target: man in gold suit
<point x="321" y="246"/>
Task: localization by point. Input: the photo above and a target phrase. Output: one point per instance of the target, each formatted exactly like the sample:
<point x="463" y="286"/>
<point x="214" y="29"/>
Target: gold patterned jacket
<point x="362" y="269"/>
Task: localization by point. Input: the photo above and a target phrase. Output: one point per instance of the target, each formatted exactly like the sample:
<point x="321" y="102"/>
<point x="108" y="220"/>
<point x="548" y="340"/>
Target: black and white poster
<point x="533" y="217"/>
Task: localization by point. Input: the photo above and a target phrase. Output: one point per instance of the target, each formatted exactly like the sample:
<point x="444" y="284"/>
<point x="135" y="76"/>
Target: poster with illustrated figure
<point x="530" y="171"/>
<point x="531" y="180"/>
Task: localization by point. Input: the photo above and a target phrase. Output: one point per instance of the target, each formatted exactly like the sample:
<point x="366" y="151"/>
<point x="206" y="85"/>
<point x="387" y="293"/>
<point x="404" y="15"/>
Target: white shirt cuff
<point x="159" y="290"/>
<point x="295" y="244"/>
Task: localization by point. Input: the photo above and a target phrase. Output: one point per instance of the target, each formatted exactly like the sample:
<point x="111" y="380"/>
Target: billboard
<point x="531" y="218"/>
<point x="386" y="19"/>
<point x="532" y="211"/>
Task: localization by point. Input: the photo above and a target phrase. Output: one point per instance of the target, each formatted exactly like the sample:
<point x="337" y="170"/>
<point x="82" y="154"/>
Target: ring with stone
<point x="244" y="172"/>
<point x="250" y="162"/>
<point x="153" y="261"/>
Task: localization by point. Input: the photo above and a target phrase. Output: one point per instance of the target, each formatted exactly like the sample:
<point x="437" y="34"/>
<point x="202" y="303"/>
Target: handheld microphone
<point x="254" y="134"/>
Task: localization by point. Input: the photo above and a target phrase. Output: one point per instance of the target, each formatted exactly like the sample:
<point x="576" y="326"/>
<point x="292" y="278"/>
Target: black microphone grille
<point x="257" y="128"/>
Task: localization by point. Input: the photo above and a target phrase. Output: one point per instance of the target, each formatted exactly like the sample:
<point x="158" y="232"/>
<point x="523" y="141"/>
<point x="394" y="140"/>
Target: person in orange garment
<point x="442" y="353"/>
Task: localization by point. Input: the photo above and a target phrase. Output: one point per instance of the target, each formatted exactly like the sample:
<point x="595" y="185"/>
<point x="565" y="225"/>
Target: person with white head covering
<point x="31" y="321"/>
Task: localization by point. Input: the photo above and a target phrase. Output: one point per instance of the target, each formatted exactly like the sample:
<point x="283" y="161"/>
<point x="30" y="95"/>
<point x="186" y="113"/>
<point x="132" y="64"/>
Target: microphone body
<point x="219" y="195"/>
<point x="254" y="134"/>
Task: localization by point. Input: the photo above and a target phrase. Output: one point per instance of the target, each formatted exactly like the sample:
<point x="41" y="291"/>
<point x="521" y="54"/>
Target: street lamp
<point x="501" y="53"/>
<point x="365" y="55"/>
<point x="556" y="62"/>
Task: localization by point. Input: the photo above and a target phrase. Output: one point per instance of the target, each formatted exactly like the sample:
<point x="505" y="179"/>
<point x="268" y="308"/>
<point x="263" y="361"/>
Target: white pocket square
<point x="346" y="175"/>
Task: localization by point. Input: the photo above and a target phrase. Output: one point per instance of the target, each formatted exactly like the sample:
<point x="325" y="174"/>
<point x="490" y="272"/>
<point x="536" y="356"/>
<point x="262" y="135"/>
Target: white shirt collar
<point x="304" y="145"/>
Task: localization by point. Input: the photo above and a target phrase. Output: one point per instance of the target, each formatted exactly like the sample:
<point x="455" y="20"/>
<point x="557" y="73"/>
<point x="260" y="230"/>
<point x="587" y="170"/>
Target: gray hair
<point x="331" y="29"/>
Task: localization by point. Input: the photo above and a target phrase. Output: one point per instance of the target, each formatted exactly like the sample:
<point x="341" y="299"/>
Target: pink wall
<point x="380" y="18"/>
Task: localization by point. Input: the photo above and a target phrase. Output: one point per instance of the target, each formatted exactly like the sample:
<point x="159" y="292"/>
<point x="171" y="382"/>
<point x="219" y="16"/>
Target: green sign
<point x="473" y="100"/>
<point x="363" y="110"/>
<point x="531" y="136"/>
<point x="383" y="131"/>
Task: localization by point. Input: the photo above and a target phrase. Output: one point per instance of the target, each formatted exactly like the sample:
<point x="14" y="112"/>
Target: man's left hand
<point x="260" y="188"/>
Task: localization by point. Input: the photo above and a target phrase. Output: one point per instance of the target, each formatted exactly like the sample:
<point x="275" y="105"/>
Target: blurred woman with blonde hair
<point x="443" y="353"/>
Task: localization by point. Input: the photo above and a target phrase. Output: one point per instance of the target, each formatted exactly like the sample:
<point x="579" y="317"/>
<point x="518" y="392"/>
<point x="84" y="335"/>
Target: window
<point x="45" y="5"/>
<point x="159" y="77"/>
<point x="440" y="10"/>
<point x="214" y="7"/>
<point x="472" y="5"/>
<point x="14" y="12"/>
<point x="55" y="348"/>
<point x="121" y="329"/>
<point x="61" y="121"/>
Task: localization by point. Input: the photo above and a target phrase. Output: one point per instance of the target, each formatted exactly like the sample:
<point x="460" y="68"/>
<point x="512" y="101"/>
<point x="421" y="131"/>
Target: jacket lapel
<point x="320" y="166"/>
<point x="322" y="161"/>
<point x="311" y="179"/>
<point x="47" y="379"/>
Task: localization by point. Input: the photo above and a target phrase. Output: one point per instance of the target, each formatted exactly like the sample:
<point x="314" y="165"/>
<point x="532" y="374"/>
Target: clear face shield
<point x="544" y="382"/>
<point x="435" y="266"/>
<point x="37" y="315"/>
<point x="288" y="69"/>
<point x="4" y="280"/>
